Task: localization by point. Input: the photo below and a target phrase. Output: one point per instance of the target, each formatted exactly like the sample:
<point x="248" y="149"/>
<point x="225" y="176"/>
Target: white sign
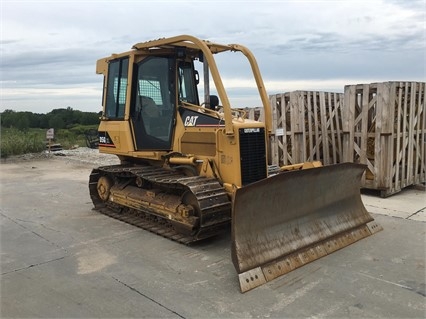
<point x="50" y="134"/>
<point x="279" y="132"/>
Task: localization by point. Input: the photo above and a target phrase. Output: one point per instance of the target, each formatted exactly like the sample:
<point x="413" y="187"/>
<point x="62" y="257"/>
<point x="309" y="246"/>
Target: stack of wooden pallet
<point x="382" y="125"/>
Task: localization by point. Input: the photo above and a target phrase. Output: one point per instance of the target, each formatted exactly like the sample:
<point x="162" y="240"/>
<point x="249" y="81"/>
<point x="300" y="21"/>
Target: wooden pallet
<point x="307" y="126"/>
<point x="384" y="127"/>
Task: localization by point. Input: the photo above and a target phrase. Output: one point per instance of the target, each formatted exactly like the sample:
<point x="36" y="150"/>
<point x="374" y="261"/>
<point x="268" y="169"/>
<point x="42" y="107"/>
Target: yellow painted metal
<point x="182" y="160"/>
<point x="208" y="49"/>
<point x="279" y="223"/>
<point x="157" y="202"/>
<point x="304" y="165"/>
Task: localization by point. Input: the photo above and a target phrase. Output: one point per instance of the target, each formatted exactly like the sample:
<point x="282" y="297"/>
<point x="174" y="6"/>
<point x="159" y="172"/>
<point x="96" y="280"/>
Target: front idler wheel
<point x="104" y="187"/>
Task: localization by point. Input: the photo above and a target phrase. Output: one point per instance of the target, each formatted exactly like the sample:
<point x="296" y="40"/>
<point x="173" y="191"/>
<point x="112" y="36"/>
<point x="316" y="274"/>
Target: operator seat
<point x="149" y="108"/>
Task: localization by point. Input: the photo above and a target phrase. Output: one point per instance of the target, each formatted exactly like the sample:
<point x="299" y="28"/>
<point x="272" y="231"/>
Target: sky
<point x="49" y="49"/>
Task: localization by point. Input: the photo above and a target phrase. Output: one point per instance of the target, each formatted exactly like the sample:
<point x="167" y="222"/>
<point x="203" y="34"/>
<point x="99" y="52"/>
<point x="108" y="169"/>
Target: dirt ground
<point x="59" y="258"/>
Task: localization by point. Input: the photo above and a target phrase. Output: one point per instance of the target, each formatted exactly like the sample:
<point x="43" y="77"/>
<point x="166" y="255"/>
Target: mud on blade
<point x="293" y="218"/>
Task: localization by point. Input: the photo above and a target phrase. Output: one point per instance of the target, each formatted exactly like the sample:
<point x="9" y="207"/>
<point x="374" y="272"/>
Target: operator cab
<point x="153" y="102"/>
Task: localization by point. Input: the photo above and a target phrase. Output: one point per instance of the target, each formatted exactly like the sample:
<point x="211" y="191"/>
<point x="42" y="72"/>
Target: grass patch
<point x="16" y="142"/>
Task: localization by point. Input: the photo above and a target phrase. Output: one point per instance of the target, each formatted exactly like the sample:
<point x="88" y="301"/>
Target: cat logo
<point x="191" y="120"/>
<point x="251" y="130"/>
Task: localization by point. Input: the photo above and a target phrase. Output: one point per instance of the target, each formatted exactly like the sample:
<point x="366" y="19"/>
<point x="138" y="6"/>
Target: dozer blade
<point x="290" y="219"/>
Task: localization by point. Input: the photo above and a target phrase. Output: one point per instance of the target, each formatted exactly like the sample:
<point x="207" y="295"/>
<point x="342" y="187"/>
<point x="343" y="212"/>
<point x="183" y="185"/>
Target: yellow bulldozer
<point x="189" y="170"/>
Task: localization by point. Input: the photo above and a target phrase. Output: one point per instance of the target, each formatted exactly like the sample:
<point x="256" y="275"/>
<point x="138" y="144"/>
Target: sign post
<point x="50" y="135"/>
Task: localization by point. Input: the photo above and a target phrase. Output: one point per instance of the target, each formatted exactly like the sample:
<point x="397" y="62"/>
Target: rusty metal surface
<point x="251" y="279"/>
<point x="165" y="209"/>
<point x="290" y="219"/>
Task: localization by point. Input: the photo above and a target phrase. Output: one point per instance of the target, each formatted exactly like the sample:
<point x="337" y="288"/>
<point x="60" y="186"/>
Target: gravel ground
<point x="80" y="154"/>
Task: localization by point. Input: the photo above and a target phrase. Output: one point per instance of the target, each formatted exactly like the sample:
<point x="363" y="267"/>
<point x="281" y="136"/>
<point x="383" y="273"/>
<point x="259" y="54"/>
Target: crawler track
<point x="212" y="202"/>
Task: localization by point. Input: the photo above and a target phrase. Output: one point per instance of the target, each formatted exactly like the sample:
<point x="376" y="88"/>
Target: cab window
<point x="116" y="88"/>
<point x="187" y="83"/>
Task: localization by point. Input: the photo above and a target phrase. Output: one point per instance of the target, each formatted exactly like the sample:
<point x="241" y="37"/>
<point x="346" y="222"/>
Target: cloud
<point x="53" y="67"/>
<point x="49" y="49"/>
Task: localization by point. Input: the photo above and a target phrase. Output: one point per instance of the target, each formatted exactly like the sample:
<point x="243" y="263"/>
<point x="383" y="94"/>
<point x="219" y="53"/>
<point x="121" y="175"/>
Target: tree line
<point x="57" y="119"/>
